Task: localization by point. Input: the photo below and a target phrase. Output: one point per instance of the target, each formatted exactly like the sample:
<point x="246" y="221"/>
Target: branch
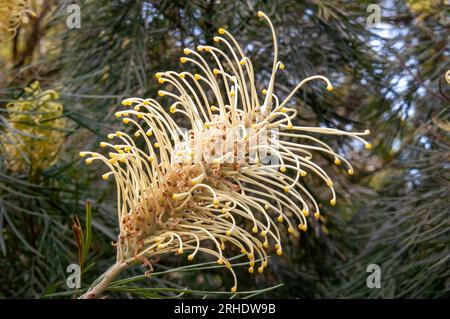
<point x="97" y="290"/>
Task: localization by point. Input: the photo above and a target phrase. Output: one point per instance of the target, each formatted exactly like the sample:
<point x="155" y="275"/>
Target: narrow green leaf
<point x="88" y="231"/>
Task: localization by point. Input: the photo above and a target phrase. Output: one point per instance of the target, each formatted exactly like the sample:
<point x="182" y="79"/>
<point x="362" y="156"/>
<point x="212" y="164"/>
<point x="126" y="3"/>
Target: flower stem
<point x="96" y="291"/>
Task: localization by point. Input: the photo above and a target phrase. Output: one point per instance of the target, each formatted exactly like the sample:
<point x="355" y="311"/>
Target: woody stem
<point x="96" y="291"/>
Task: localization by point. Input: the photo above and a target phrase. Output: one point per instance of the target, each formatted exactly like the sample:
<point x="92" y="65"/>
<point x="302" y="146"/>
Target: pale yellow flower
<point x="173" y="200"/>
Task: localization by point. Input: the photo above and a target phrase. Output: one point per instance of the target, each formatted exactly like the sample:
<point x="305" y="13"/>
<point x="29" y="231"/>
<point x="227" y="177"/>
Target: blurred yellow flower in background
<point x="12" y="14"/>
<point x="34" y="131"/>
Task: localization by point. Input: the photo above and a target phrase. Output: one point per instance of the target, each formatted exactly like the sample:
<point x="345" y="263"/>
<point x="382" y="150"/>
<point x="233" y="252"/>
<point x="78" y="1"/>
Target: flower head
<point x="12" y="15"/>
<point x="36" y="130"/>
<point x="210" y="187"/>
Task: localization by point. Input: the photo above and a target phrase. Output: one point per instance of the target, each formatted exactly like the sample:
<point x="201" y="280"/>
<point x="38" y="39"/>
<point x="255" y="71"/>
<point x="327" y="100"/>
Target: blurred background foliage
<point x="388" y="77"/>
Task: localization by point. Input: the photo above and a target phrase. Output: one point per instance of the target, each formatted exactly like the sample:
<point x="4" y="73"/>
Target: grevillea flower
<point x="173" y="199"/>
<point x="12" y="14"/>
<point x="35" y="130"/>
